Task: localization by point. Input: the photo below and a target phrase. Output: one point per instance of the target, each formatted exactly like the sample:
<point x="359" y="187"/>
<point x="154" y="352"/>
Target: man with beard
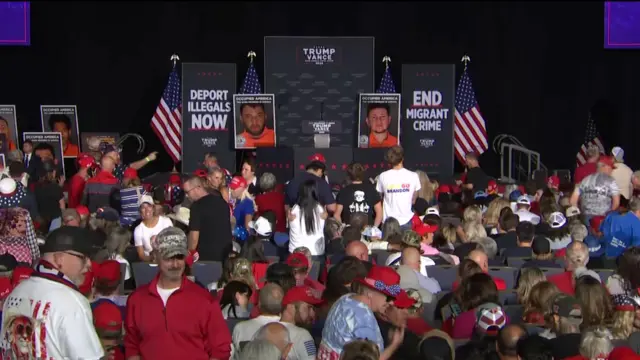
<point x="255" y="134"/>
<point x="192" y="328"/>
<point x="378" y="120"/>
<point x="50" y="300"/>
<point x="298" y="314"/>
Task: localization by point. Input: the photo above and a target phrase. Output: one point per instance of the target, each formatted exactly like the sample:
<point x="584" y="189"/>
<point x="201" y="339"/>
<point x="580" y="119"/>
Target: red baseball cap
<point x="107" y="272"/>
<point x="302" y="294"/>
<point x="403" y="300"/>
<point x="607" y="160"/>
<point x="237" y="182"/>
<point x="174" y="179"/>
<point x="130" y="173"/>
<point x="107" y="317"/>
<point x="423" y="229"/>
<point x="82" y="210"/>
<point x="492" y="187"/>
<point x="297" y="261"/>
<point x="317" y="157"/>
<point x="200" y="173"/>
<point x="20" y="273"/>
<point x="553" y="182"/>
<point x="86" y="161"/>
<point x="623" y="353"/>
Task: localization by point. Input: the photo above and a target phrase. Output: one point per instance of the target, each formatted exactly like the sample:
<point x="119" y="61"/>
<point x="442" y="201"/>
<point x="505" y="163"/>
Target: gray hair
<point x="267" y="182"/>
<point x="332" y="228"/>
<point x="508" y="189"/>
<point x="634" y="203"/>
<point x="577" y="255"/>
<point x="260" y="349"/>
<point x="262" y="334"/>
<point x="117" y="241"/>
<point x="70" y="214"/>
<point x="271" y="299"/>
<point x="596" y="342"/>
<point x="578" y="231"/>
<point x="489" y="246"/>
<point x="14" y="156"/>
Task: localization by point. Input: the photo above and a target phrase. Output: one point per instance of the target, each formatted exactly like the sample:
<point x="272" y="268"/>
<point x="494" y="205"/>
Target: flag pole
<point x="465" y="60"/>
<point x="251" y="55"/>
<point x="386" y="60"/>
<point x="174" y="58"/>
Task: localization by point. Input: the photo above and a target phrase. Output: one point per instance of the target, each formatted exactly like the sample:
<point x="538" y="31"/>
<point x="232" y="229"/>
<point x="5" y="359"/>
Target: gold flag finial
<point x="175" y="58"/>
<point x="251" y="55"/>
<point x="465" y="60"/>
<point x="386" y="60"/>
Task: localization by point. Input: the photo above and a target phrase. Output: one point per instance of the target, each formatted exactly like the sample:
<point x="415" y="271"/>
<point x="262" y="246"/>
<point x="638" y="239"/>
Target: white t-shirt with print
<point x="59" y="317"/>
<point x="397" y="188"/>
<point x="142" y="234"/>
<point x="298" y="232"/>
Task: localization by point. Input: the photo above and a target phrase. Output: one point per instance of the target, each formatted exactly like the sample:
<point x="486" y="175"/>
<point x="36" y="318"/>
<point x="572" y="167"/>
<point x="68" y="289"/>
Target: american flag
<point x="386" y="84"/>
<point x="251" y="83"/>
<point x="167" y="120"/>
<point x="591" y="137"/>
<point x="470" y="130"/>
<point x="310" y="347"/>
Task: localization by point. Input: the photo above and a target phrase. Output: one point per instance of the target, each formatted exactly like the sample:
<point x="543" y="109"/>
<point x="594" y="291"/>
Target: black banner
<point x="316" y="81"/>
<point x="207" y="114"/>
<point x="278" y="161"/>
<point x="428" y="95"/>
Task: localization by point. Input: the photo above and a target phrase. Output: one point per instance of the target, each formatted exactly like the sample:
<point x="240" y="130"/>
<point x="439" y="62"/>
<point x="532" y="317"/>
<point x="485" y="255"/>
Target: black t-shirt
<point x="48" y="195"/>
<point x="507" y="240"/>
<point x="356" y="198"/>
<point x="210" y="216"/>
<point x="325" y="195"/>
<point x="478" y="179"/>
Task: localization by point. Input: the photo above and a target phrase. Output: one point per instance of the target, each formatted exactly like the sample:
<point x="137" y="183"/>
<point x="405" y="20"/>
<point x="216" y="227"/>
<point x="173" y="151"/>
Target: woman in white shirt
<point x="150" y="226"/>
<point x="306" y="221"/>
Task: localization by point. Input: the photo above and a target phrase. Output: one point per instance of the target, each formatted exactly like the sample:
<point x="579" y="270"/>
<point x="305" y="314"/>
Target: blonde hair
<point x="622" y="324"/>
<point x="426" y="189"/>
<point x="472" y="213"/>
<point x="449" y="233"/>
<point x="474" y="230"/>
<point x="529" y="277"/>
<point x="246" y="195"/>
<point x="492" y="216"/>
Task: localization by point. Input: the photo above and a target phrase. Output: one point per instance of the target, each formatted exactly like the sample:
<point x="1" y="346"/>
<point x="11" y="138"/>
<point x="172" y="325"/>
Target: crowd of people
<point x="396" y="267"/>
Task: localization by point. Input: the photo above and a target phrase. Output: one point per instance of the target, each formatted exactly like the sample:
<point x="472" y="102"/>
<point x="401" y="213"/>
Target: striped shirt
<point x="129" y="199"/>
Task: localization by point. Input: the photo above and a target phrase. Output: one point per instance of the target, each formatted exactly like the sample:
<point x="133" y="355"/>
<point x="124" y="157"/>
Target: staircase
<point x="517" y="162"/>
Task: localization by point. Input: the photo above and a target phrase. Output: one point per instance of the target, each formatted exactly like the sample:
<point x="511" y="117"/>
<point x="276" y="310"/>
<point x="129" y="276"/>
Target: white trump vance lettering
<point x="209" y="109"/>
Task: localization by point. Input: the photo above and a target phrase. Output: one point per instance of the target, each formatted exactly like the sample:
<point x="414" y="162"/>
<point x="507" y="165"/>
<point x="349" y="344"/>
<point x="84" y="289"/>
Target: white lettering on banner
<point x="426" y="109"/>
<point x="427" y="143"/>
<point x="318" y="55"/>
<point x="209" y="109"/>
<point x="322" y="127"/>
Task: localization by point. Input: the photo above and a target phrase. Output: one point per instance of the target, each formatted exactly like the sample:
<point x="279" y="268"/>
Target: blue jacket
<point x="620" y="232"/>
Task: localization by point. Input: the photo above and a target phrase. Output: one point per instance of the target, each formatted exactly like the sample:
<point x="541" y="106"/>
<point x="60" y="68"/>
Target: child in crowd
<point x="108" y="323"/>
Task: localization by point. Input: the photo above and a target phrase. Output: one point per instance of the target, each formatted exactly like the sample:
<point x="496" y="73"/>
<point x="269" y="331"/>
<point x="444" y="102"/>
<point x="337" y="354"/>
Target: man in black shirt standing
<point x="476" y="180"/>
<point x="358" y="197"/>
<point x="209" y="223"/>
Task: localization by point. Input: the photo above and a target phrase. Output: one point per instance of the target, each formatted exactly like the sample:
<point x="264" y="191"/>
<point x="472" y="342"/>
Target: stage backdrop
<point x="316" y="81"/>
<point x="428" y="94"/>
<point x="207" y="114"/>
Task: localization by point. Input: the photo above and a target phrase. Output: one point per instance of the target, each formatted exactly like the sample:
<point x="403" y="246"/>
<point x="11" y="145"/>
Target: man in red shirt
<point x="191" y="328"/>
<point x="78" y="181"/>
<point x="301" y="268"/>
<point x="577" y="256"/>
<point x="590" y="167"/>
<point x="97" y="191"/>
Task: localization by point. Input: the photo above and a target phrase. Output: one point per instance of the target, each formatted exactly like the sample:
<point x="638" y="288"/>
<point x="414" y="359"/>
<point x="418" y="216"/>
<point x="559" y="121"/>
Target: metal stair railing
<point x="506" y="138"/>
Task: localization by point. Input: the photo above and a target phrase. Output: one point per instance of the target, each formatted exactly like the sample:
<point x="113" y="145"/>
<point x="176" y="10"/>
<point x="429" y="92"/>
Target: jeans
<point x="406" y="226"/>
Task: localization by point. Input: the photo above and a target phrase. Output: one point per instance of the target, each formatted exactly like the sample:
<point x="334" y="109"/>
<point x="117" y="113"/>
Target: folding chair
<point x="551" y="271"/>
<point x="381" y="256"/>
<point x="516" y="262"/>
<point x="508" y="274"/>
<point x="207" y="272"/>
<point x="445" y="274"/>
<point x="143" y="272"/>
<point x="460" y="342"/>
<point x="508" y="297"/>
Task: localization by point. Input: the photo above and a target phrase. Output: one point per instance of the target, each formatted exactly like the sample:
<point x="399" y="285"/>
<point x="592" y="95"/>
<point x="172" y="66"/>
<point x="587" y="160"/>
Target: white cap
<point x="261" y="226"/>
<point x="523" y="200"/>
<point x="7" y="186"/>
<point x="557" y="220"/>
<point x="618" y="153"/>
<point x="433" y="211"/>
<point x="145" y="199"/>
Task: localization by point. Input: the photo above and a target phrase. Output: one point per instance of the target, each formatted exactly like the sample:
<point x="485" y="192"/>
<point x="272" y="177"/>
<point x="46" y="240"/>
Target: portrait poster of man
<point x="90" y="141"/>
<point x="8" y="128"/>
<point x="47" y="146"/>
<point x="379" y="120"/>
<point x="64" y="120"/>
<point x="254" y="124"/>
